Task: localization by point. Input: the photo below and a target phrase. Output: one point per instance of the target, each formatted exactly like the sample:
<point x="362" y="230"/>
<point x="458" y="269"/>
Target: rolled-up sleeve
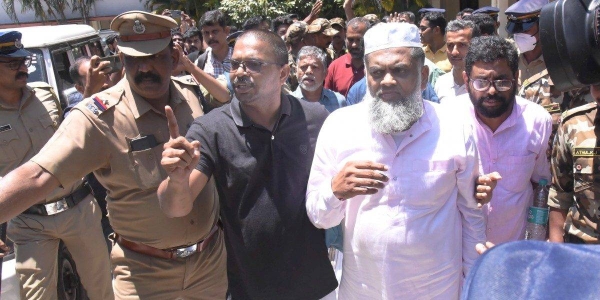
<point x="561" y="191"/>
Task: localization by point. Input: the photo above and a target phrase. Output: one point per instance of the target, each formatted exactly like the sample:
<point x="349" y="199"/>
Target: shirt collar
<point x="139" y="106"/>
<point x="298" y="94"/>
<point x="242" y="120"/>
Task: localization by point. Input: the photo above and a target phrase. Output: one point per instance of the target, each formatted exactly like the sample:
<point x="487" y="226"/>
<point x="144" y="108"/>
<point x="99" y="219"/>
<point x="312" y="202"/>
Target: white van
<point x="54" y="50"/>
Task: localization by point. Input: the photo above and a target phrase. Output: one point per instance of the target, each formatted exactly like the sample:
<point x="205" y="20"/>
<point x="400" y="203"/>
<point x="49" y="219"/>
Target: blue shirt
<point x="330" y="99"/>
<point x="359" y="89"/>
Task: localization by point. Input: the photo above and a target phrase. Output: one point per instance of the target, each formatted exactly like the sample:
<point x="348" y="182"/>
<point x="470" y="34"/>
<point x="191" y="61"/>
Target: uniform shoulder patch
<point x="578" y="111"/>
<point x="98" y="104"/>
<point x="187" y="80"/>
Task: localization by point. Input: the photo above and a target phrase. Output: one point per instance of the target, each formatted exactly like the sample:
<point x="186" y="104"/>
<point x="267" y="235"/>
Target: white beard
<point x="397" y="116"/>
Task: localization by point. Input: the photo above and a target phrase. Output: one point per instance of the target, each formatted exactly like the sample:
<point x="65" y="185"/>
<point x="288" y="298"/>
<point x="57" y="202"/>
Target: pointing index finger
<point x="172" y="122"/>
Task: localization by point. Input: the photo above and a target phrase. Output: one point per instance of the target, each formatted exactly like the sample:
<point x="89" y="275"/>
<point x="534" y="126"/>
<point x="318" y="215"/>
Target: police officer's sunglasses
<point x="17" y="63"/>
<point x="518" y="26"/>
<point x="483" y="85"/>
<point x="251" y="66"/>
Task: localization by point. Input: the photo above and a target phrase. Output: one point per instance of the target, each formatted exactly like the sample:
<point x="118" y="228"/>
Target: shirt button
<point x="30" y="129"/>
<point x="272" y="137"/>
<point x="395" y="178"/>
<point x="397" y="154"/>
<point x="410" y="135"/>
<point x="192" y="222"/>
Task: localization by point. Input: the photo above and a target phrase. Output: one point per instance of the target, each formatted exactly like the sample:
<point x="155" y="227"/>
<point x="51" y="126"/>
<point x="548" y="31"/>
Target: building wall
<point x="101" y="13"/>
<point x="452" y="7"/>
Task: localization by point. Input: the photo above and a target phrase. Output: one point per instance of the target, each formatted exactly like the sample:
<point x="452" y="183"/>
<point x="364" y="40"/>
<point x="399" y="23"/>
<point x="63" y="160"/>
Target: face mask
<point x="525" y="42"/>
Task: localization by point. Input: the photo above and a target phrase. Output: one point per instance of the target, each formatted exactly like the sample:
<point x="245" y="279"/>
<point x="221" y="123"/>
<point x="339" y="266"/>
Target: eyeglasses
<point x="250" y="66"/>
<point x="16" y="64"/>
<point x="483" y="85"/>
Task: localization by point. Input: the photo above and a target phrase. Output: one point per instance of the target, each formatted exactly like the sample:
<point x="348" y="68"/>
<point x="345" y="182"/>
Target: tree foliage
<point x="48" y="10"/>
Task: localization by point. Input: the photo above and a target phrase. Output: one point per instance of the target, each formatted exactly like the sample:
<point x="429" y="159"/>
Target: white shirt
<point x="516" y="150"/>
<point x="445" y="87"/>
<point x="416" y="237"/>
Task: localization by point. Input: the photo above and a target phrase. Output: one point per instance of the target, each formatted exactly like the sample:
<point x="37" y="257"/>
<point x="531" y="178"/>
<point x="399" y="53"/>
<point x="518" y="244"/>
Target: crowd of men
<point x="232" y="164"/>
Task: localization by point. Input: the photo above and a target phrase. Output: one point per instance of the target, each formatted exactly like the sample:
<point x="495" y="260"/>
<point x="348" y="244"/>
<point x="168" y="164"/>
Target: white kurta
<point x="415" y="238"/>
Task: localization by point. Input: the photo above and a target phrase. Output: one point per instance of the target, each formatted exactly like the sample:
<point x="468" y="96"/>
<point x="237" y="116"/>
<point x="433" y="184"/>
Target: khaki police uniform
<point x="119" y="136"/>
<point x="99" y="136"/>
<point x="576" y="172"/>
<point x="23" y="133"/>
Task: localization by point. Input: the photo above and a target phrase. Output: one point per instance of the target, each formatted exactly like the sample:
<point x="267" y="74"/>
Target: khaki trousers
<point x="36" y="241"/>
<point x="199" y="276"/>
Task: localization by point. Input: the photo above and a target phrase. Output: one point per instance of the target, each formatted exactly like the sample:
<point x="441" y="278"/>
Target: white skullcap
<point x="392" y="35"/>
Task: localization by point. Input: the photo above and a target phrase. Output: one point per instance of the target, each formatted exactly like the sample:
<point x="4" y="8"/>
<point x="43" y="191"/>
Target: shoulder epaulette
<point x="39" y="84"/>
<point x="187" y="80"/>
<point x="578" y="110"/>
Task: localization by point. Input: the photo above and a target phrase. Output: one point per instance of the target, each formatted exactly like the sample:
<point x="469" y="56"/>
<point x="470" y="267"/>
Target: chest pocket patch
<point x="146" y="165"/>
<point x="7" y="154"/>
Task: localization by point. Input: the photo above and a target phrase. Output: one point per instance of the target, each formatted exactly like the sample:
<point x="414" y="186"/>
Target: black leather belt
<point x="60" y="205"/>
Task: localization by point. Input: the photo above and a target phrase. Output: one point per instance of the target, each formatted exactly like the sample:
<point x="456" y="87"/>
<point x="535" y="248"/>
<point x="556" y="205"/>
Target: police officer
<point x="295" y="38"/>
<point x="29" y="116"/>
<point x="534" y="81"/>
<point x="118" y="135"/>
<point x="322" y="33"/>
<point x="573" y="202"/>
<point x="491" y="11"/>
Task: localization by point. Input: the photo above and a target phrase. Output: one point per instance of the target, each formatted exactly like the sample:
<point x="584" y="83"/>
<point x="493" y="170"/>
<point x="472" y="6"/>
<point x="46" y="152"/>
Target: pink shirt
<point x="517" y="150"/>
<point x="416" y="237"/>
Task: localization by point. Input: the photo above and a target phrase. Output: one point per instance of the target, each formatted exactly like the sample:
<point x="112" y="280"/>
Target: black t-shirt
<point x="273" y="250"/>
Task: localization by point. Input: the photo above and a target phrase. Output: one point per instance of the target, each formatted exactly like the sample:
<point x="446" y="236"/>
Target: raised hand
<point x="359" y="178"/>
<point x="97" y="76"/>
<point x="179" y="156"/>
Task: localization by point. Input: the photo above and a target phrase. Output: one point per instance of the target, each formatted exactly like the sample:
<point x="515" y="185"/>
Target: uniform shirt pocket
<point x="146" y="166"/>
<point x="429" y="180"/>
<point x="7" y="153"/>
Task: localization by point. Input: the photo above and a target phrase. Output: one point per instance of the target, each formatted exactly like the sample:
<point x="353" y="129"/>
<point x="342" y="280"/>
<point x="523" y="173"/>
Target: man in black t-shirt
<point x="259" y="148"/>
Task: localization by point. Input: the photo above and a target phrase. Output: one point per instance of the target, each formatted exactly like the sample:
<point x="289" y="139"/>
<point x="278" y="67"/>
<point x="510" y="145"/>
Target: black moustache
<point x="144" y="76"/>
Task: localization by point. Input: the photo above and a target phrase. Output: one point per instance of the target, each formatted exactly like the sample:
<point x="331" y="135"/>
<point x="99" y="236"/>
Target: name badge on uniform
<point x="586" y="151"/>
<point x="6" y="127"/>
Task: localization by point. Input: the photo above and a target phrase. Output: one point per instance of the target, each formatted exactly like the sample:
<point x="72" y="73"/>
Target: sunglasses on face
<point x="520" y="26"/>
<point x="251" y="66"/>
<point x="16" y="64"/>
<point x="483" y="85"/>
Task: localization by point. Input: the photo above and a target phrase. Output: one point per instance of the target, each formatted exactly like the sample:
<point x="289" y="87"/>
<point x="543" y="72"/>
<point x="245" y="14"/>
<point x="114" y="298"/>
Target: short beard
<point x="397" y="116"/>
<point x="494" y="112"/>
<point x="311" y="88"/>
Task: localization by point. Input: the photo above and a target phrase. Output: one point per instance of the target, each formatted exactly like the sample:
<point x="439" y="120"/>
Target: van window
<point x="37" y="70"/>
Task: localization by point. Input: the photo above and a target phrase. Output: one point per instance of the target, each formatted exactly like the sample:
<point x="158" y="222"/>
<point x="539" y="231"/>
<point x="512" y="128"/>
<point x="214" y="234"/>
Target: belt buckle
<point x="185" y="252"/>
<point x="56" y="207"/>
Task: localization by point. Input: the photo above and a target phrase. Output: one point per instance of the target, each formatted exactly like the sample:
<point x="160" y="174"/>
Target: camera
<point x="570" y="37"/>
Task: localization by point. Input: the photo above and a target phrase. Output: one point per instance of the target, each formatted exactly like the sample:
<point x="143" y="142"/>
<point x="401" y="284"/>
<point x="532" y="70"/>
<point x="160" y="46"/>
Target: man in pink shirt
<point x="511" y="134"/>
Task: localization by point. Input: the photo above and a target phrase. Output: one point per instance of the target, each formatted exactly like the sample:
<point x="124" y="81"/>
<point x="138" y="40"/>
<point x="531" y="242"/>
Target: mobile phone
<point x="175" y="14"/>
<point x="115" y="64"/>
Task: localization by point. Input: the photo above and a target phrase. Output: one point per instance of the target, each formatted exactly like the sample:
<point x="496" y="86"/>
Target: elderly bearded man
<point x="402" y="173"/>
